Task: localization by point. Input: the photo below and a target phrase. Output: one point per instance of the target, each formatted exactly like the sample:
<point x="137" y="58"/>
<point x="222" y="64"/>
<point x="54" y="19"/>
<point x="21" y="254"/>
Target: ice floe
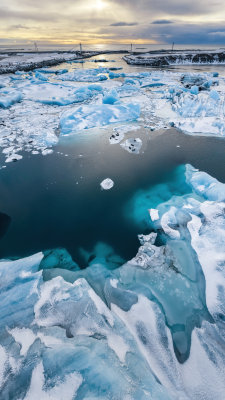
<point x="132" y="145"/>
<point x="87" y="75"/>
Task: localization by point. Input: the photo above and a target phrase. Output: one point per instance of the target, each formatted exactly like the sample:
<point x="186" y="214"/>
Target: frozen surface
<point x="26" y="61"/>
<point x="86" y="117"/>
<point x="36" y="106"/>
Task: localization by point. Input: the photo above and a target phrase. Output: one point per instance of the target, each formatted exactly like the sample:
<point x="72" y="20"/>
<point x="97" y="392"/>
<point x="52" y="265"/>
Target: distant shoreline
<point x="10" y="62"/>
<point x="13" y="61"/>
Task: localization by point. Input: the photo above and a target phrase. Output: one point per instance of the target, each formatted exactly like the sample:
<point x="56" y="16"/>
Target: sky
<point x="113" y="21"/>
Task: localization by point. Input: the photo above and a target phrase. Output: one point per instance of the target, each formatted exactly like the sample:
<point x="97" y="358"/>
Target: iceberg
<point x="199" y="112"/>
<point x="93" y="116"/>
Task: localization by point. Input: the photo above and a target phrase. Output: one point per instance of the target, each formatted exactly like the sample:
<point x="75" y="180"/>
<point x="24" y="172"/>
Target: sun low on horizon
<point x="111" y="21"/>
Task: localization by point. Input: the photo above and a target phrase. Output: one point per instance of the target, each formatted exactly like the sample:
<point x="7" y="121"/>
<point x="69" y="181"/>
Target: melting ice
<point x="152" y="328"/>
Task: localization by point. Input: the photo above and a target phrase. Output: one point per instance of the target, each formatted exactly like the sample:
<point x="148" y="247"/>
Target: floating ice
<point x="13" y="157"/>
<point x="91" y="116"/>
<point x="201" y="113"/>
<point x="132" y="145"/>
<point x="113" y="75"/>
<point x="111" y="97"/>
<point x="107" y="184"/>
<point x="88" y="75"/>
<point x="40" y="76"/>
<point x="61" y="95"/>
<point x="120" y="131"/>
<point x="52" y="71"/>
<point x="152" y="328"/>
<point x="154" y="214"/>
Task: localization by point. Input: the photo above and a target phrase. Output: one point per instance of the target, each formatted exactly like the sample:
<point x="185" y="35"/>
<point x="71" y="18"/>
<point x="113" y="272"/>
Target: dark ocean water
<point x="56" y="201"/>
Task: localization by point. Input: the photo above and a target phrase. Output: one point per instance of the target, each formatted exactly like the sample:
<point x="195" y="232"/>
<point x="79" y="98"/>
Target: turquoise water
<point x="56" y="201"/>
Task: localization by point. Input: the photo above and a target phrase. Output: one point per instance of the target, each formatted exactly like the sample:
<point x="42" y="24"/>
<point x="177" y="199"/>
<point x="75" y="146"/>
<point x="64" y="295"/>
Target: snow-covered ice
<point x="94" y="116"/>
<point x="132" y="145"/>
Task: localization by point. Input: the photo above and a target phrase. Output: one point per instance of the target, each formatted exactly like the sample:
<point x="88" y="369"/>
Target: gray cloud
<point x="19" y="26"/>
<point x="162" y="22"/>
<point x="124" y="24"/>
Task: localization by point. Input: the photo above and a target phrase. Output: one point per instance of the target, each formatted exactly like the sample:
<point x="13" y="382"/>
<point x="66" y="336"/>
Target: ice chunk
<point x="52" y="71"/>
<point x="13" y="157"/>
<point x="9" y="97"/>
<point x="113" y="75"/>
<point x="111" y="97"/>
<point x="61" y="95"/>
<point x="107" y="184"/>
<point x="91" y="116"/>
<point x="87" y="75"/>
<point x="205" y="185"/>
<point x="120" y="131"/>
<point x="194" y="90"/>
<point x="154" y="214"/>
<point x="132" y="145"/>
<point x="40" y="76"/>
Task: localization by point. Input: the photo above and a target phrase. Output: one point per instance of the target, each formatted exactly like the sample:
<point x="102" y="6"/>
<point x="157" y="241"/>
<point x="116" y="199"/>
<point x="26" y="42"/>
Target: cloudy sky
<point x="113" y="21"/>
